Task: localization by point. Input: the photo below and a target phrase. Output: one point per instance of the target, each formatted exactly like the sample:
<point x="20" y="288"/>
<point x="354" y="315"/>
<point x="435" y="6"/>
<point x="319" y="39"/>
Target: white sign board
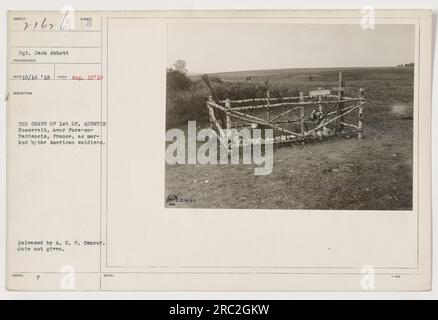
<point x="321" y="92"/>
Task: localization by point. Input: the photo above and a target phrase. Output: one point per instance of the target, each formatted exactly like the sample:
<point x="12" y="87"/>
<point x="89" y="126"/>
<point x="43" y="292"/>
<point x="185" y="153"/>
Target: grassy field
<point x="341" y="173"/>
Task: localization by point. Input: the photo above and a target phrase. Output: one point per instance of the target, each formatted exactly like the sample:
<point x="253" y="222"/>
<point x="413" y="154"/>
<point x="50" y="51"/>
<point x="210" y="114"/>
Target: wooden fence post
<point x="268" y="95"/>
<point x="320" y="109"/>
<point x="360" y="115"/>
<point x="320" y="100"/>
<point x="268" y="103"/>
<point x="227" y="117"/>
<point x="302" y="113"/>
<point x="210" y="112"/>
<point x="340" y="104"/>
<point x="228" y="123"/>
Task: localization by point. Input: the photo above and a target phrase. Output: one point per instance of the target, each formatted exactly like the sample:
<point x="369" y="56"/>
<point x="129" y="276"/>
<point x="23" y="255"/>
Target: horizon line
<point x="290" y="68"/>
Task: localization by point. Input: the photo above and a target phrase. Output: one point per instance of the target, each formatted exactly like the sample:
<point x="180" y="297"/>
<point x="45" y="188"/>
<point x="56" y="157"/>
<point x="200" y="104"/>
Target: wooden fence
<point x="318" y="115"/>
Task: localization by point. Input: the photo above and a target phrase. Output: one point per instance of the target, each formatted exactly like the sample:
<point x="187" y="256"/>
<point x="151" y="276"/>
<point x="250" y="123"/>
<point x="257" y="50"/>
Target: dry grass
<point x="372" y="174"/>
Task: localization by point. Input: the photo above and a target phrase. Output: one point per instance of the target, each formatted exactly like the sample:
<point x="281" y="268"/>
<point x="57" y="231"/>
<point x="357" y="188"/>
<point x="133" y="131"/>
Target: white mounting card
<point x="219" y="150"/>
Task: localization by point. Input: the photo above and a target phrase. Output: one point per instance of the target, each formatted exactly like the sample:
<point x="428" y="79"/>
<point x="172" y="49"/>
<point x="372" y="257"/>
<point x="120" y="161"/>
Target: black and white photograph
<point x="328" y="109"/>
<point x="227" y="153"/>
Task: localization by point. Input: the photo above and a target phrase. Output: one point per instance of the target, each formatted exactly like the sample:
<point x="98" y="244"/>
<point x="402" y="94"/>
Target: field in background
<point x="374" y="173"/>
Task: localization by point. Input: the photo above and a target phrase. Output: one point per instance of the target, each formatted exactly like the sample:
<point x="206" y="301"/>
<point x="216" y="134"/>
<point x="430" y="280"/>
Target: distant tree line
<point x="187" y="96"/>
<point x="403" y="65"/>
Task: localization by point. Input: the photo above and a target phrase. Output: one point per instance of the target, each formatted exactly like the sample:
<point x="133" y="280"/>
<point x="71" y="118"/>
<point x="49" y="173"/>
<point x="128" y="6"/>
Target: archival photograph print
<point x="289" y="116"/>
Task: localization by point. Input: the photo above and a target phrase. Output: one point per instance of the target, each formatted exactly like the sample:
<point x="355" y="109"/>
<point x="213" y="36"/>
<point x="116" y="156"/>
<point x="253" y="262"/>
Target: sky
<point x="221" y="47"/>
